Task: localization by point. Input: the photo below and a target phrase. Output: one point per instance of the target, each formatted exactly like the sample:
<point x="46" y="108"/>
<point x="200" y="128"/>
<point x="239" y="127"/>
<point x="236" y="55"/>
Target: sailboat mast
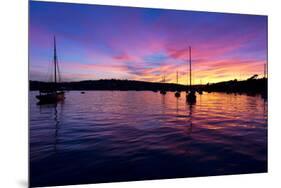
<point x="189" y="68"/>
<point x="177" y="77"/>
<point x="264" y="71"/>
<point x="55" y="60"/>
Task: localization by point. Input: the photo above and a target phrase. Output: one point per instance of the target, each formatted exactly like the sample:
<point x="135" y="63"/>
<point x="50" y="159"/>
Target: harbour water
<point x="105" y="136"/>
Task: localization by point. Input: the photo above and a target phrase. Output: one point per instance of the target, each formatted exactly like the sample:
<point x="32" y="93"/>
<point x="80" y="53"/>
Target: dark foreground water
<point x="105" y="136"/>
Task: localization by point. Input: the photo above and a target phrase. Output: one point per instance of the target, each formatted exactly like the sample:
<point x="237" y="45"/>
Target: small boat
<point x="163" y="91"/>
<point x="177" y="93"/>
<point x="51" y="94"/>
<point x="200" y="90"/>
<point x="190" y="97"/>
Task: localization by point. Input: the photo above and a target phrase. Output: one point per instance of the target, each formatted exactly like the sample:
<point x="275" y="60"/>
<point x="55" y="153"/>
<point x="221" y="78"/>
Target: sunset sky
<point x="104" y="42"/>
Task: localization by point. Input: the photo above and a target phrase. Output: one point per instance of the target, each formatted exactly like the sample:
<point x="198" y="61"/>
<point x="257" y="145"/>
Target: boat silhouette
<point x="199" y="89"/>
<point x="52" y="94"/>
<point x="163" y="91"/>
<point x="190" y="97"/>
<point x="177" y="93"/>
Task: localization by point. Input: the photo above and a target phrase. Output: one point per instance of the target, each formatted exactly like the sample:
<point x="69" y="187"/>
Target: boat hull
<point x="191" y="98"/>
<point x="177" y="94"/>
<point x="49" y="98"/>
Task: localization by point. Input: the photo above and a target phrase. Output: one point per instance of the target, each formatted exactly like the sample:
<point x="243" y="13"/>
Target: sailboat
<point x="51" y="94"/>
<point x="177" y="93"/>
<point x="199" y="90"/>
<point x="190" y="97"/>
<point x="163" y="91"/>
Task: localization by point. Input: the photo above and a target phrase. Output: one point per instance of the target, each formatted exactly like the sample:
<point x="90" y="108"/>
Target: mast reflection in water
<point x="109" y="136"/>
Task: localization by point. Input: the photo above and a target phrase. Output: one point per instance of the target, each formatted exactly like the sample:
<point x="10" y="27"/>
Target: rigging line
<point x="59" y="73"/>
<point x="49" y="72"/>
<point x="57" y="65"/>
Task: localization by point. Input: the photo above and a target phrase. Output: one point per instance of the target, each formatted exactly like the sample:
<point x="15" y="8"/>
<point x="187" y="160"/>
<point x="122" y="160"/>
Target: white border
<point x="13" y="133"/>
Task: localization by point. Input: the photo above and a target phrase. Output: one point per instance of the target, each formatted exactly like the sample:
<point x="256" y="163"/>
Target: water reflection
<point x="119" y="136"/>
<point x="190" y="117"/>
<point x="56" y="126"/>
<point x="177" y="105"/>
<point x="54" y="111"/>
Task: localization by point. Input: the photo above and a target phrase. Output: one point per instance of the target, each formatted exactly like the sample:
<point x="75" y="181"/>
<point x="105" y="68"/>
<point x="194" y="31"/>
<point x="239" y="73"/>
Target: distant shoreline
<point x="112" y="84"/>
<point x="232" y="86"/>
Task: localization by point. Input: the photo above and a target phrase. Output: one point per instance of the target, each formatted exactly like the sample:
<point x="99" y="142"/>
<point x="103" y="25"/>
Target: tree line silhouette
<point x="251" y="85"/>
